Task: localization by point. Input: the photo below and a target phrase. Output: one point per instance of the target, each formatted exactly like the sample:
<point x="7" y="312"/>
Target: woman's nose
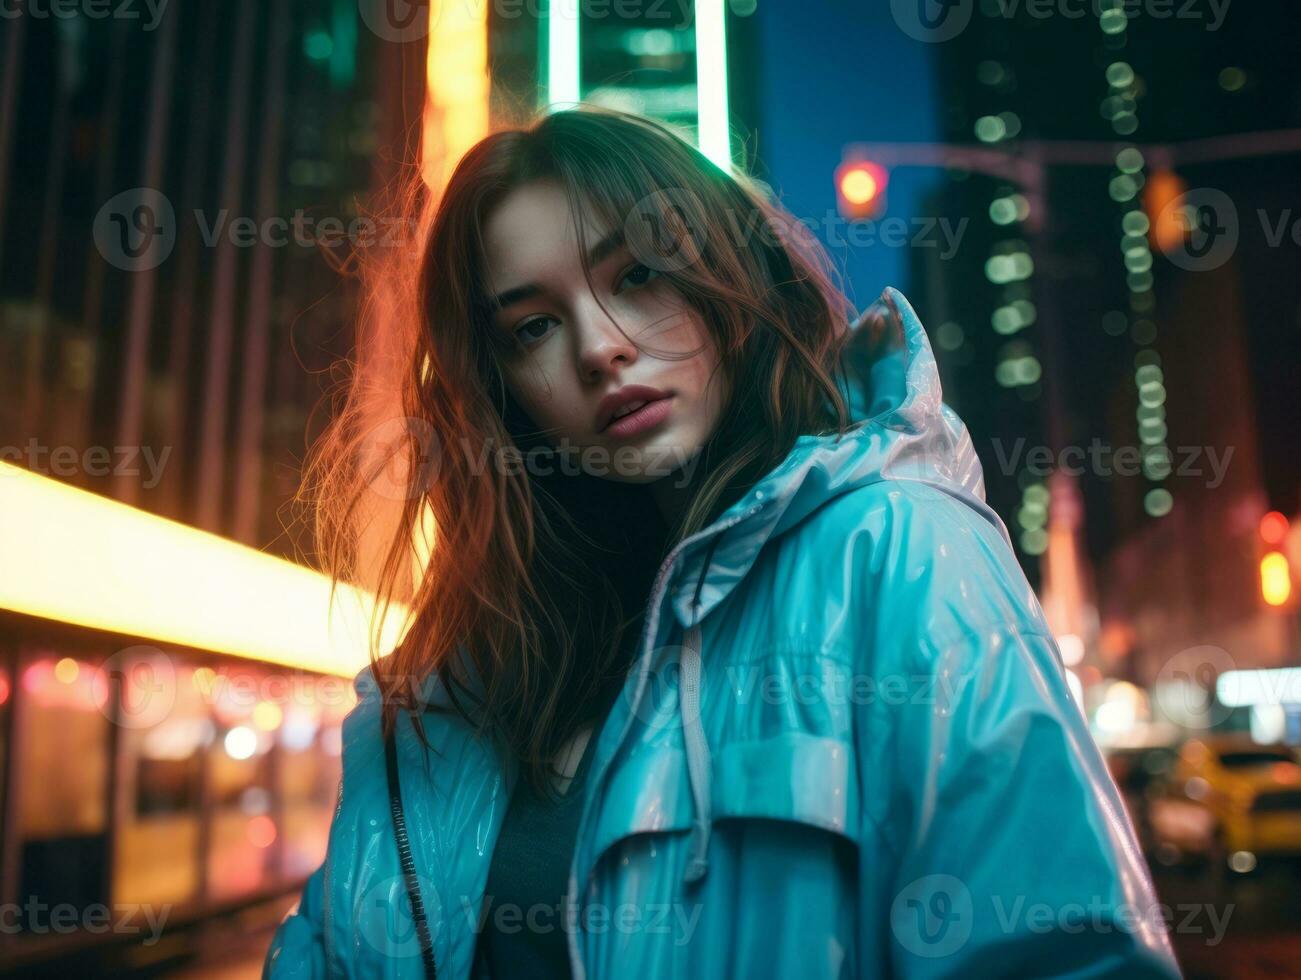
<point x="602" y="346"/>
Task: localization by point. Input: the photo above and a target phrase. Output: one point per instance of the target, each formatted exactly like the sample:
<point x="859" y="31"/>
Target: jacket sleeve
<point x="297" y="949"/>
<point x="1013" y="854"/>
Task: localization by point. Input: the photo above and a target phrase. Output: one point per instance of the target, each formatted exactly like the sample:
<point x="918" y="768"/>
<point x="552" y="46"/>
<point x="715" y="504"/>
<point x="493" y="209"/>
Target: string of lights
<point x="1126" y="182"/>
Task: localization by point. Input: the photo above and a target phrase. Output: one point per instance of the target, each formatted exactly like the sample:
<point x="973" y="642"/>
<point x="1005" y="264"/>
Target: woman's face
<point x="567" y="356"/>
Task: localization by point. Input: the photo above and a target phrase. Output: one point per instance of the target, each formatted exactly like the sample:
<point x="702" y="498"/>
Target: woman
<point x="831" y="737"/>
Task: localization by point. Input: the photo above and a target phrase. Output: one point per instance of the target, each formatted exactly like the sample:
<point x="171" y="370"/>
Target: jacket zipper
<point x="404" y="855"/>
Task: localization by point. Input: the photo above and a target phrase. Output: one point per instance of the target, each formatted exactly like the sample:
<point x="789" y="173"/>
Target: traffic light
<point x="1168" y="224"/>
<point x="860" y="189"/>
<point x="1275" y="569"/>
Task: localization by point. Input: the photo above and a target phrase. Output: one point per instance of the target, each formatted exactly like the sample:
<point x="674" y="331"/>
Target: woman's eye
<point x="640" y="275"/>
<point x="539" y="323"/>
<point x="532" y="331"/>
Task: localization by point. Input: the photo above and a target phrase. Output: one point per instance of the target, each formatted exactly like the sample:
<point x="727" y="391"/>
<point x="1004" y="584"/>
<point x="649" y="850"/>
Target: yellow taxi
<point x="1232" y="801"/>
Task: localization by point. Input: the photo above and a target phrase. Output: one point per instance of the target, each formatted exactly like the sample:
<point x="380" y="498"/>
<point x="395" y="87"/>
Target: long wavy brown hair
<point x="538" y="579"/>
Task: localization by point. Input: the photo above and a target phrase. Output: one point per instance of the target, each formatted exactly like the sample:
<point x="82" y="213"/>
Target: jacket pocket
<point x="794" y="775"/>
<point x="648" y="793"/>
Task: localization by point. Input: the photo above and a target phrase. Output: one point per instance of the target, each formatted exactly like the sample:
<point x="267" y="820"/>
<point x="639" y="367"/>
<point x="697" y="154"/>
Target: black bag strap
<point x="404" y="854"/>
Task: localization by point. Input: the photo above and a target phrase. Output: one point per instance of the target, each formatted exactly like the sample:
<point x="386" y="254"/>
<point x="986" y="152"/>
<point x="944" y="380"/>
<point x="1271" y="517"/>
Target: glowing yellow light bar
<point x="75" y="557"/>
<point x="563" y="80"/>
<point x="711" y="82"/>
<point x="457" y="84"/>
<point x="1275" y="578"/>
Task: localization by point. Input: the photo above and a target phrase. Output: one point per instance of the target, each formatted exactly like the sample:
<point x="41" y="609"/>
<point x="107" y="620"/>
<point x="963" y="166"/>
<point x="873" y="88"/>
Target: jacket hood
<point x="901" y="430"/>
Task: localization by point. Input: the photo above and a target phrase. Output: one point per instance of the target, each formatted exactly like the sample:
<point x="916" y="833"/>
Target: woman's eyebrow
<point x="597" y="254"/>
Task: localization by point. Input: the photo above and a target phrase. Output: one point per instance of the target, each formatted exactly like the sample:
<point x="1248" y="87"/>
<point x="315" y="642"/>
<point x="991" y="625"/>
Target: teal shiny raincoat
<point x="847" y="748"/>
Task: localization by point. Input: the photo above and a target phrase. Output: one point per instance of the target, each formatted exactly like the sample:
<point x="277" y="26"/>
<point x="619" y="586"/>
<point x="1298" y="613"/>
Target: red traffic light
<point x="860" y="189"/>
<point x="1273" y="528"/>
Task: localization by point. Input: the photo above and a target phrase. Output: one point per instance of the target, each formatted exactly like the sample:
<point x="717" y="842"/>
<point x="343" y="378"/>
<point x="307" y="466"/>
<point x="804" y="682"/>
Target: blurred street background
<point x="1094" y="206"/>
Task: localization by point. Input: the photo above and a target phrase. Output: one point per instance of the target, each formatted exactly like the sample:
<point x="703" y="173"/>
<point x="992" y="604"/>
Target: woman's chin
<point x="641" y="462"/>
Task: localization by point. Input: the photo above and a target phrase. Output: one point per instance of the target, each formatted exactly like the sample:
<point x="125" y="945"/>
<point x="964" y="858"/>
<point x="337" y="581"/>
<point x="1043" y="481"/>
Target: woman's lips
<point x="643" y="420"/>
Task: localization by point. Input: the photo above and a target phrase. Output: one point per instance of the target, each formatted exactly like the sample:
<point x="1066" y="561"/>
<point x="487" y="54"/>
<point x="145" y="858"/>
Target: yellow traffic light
<point x="1275" y="578"/>
<point x="860" y="189"/>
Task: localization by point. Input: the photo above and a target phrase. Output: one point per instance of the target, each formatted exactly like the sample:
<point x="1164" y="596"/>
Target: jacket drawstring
<point x="699" y="763"/>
